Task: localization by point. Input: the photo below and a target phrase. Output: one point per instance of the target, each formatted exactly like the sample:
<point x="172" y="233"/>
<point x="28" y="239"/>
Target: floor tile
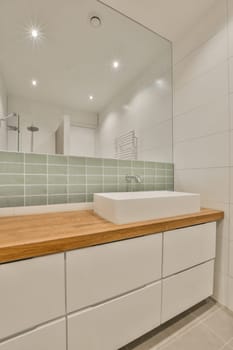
<point x="199" y="337"/>
<point x="204" y="309"/>
<point x="221" y="323"/>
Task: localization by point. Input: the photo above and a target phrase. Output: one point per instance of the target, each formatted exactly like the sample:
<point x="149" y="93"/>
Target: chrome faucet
<point x="138" y="179"/>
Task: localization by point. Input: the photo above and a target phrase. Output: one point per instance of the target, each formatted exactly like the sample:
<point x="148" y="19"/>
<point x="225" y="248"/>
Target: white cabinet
<point x="49" y="337"/>
<point x="99" y="273"/>
<point x="115" y="323"/>
<point x="186" y="289"/>
<point x="187" y="247"/>
<point x="32" y="292"/>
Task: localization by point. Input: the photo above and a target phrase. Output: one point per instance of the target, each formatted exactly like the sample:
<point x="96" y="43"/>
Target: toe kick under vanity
<point x="72" y="281"/>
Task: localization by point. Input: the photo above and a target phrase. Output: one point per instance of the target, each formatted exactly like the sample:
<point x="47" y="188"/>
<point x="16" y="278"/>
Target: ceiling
<point x="72" y="60"/>
<point x="169" y="18"/>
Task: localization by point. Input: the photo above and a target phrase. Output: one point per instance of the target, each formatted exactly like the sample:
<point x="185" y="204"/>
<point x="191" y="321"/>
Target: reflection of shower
<point x="12" y="127"/>
<point x="33" y="129"/>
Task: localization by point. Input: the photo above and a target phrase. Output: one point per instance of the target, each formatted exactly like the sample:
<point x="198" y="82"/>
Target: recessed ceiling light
<point x="34" y="82"/>
<point x="91" y="97"/>
<point x="115" y="64"/>
<point x="34" y="33"/>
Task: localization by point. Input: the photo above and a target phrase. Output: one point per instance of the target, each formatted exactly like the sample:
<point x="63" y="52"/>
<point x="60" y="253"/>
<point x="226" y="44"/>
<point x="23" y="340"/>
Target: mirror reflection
<point x="83" y="80"/>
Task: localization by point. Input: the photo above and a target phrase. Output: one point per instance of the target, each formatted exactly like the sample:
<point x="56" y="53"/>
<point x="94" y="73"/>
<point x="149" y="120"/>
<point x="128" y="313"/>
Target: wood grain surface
<point x="30" y="236"/>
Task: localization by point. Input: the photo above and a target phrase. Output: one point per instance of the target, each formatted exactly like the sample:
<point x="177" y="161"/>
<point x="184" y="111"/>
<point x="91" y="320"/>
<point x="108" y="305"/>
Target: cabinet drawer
<point x="32" y="292"/>
<point x="102" y="272"/>
<point x="52" y="336"/>
<point x="187" y="247"/>
<point x="186" y="289"/>
<point x="117" y="322"/>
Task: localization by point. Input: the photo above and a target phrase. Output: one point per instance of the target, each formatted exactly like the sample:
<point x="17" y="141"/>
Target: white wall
<point x="203" y="123"/>
<point x="82" y="141"/>
<point x="146" y="107"/>
<point x="47" y="117"/>
<point x="3" y="112"/>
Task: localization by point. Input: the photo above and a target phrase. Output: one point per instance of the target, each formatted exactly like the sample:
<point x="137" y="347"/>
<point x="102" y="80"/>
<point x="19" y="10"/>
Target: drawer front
<point x="52" y="336"/>
<point x="186" y="289"/>
<point x="187" y="247"/>
<point x="32" y="292"/>
<point x="116" y="323"/>
<point x="99" y="273"/>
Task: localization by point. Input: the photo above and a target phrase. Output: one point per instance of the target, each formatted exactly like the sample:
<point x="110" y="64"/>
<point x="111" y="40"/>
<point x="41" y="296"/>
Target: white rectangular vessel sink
<point x="128" y="207"/>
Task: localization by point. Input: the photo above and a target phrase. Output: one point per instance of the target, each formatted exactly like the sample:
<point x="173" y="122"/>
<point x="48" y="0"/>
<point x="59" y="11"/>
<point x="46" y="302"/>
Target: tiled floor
<point x="207" y="326"/>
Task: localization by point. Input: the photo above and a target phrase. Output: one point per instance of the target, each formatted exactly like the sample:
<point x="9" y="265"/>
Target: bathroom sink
<point x="128" y="207"/>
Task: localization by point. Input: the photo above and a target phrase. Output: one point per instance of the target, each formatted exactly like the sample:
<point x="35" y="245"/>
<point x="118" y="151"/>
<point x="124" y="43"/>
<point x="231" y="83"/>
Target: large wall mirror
<point x="78" y="78"/>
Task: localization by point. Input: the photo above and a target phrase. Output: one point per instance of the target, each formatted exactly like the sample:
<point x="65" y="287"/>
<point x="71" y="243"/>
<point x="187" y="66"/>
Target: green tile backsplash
<point x="38" y="179"/>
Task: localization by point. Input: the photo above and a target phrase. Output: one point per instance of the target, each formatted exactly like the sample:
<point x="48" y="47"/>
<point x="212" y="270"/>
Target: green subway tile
<point x="35" y="158"/>
<point x="76" y="180"/>
<point x="11" y="179"/>
<point x="110" y="171"/>
<point x="35" y="200"/>
<point x="122" y="180"/>
<point x="36" y="168"/>
<point x="11" y="157"/>
<point x="76" y="161"/>
<point x="110" y="180"/>
<point x="159" y="187"/>
<point x="57" y="189"/>
<point x="149" y="179"/>
<point x="94" y="188"/>
<point x="31" y="190"/>
<point x="94" y="170"/>
<point x="125" y="171"/>
<point x="170" y="172"/>
<point x="11" y="191"/>
<point x="77" y="198"/>
<point x="160" y="166"/>
<point x="35" y="179"/>
<point x="138" y="171"/>
<point x="11" y="202"/>
<point x="59" y="160"/>
<point x="110" y="162"/>
<point x="149" y="165"/>
<point x="170" y="187"/>
<point x="59" y="199"/>
<point x="110" y="188"/>
<point x="137" y="187"/>
<point x="57" y="169"/>
<point x="77" y="189"/>
<point x="169" y="166"/>
<point x="57" y="179"/>
<point x="94" y="161"/>
<point x="76" y="170"/>
<point x="169" y="179"/>
<point x="138" y="164"/>
<point x="11" y="168"/>
<point x="160" y="172"/>
<point x="149" y="172"/>
<point x="123" y="187"/>
<point x="160" y="180"/>
<point x="125" y="163"/>
<point x="89" y="198"/>
<point x="149" y="187"/>
<point x="94" y="180"/>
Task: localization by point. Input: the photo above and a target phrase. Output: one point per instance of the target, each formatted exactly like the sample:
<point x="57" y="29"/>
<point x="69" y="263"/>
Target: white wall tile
<point x="204" y="152"/>
<point x="206" y="88"/>
<point x="230" y="26"/>
<point x="231" y="259"/>
<point x="208" y="26"/>
<point x="211" y="183"/>
<point x="230" y="293"/>
<point x="198" y="62"/>
<point x="205" y="120"/>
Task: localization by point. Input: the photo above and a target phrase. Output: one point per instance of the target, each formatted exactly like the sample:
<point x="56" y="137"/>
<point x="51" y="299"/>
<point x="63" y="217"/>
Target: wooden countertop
<point x="29" y="236"/>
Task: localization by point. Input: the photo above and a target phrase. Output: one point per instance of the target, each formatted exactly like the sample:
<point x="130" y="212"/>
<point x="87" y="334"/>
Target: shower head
<point x="33" y="128"/>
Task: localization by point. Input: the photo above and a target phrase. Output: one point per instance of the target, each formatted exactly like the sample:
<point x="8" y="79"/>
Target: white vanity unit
<point x="105" y="296"/>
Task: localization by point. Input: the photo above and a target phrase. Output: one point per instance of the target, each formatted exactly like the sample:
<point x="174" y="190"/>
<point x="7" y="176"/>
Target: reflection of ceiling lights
<point x="115" y="64"/>
<point x="91" y="97"/>
<point x="95" y="21"/>
<point x="34" y="33"/>
<point x="34" y="82"/>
